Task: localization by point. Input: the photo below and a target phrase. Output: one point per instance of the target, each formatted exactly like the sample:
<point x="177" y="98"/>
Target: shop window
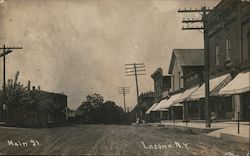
<point x="179" y="79"/>
<point x="192" y="77"/>
<point x="173" y="83"/>
<point x="217" y="54"/>
<point x="228" y="49"/>
<point x="196" y="76"/>
<point x="248" y="38"/>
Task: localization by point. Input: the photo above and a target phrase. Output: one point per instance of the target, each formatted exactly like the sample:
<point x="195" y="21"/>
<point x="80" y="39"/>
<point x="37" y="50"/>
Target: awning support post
<point x="238" y="120"/>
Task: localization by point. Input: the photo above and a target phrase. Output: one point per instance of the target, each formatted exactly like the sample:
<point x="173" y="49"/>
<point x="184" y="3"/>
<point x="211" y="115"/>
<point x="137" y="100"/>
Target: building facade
<point x="162" y="84"/>
<point x="228" y="36"/>
<point x="48" y="112"/>
<point x="186" y="68"/>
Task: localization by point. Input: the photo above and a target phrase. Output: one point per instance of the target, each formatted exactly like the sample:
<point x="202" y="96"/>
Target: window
<point x="228" y="49"/>
<point x="217" y="54"/>
<point x="196" y="76"/>
<point x="179" y="78"/>
<point x="173" y="83"/>
<point x="192" y="77"/>
<point x="248" y="38"/>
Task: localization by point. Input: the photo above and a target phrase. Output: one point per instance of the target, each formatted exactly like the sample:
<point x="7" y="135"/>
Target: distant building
<point x="162" y="83"/>
<point x="40" y="117"/>
<point x="146" y="101"/>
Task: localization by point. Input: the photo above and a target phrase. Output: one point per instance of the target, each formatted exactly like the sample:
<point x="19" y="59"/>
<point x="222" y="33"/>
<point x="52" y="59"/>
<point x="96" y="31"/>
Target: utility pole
<point x="6" y="50"/>
<point x="203" y="11"/>
<point x="136" y="69"/>
<point x="123" y="91"/>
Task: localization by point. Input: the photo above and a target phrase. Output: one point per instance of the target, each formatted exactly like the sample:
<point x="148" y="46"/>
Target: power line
<point x="6" y="51"/>
<point x="136" y="69"/>
<point x="203" y="11"/>
<point x="123" y="91"/>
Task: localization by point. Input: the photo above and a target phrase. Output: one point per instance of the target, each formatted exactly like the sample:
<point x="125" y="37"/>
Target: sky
<point x="80" y="47"/>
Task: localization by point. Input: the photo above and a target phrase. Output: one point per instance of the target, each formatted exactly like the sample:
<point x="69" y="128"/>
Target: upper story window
<point x="173" y="83"/>
<point x="179" y="79"/>
<point x="217" y="54"/>
<point x="228" y="49"/>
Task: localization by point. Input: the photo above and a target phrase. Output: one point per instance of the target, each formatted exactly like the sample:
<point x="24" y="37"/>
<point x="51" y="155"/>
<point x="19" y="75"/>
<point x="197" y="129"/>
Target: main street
<point x="112" y="140"/>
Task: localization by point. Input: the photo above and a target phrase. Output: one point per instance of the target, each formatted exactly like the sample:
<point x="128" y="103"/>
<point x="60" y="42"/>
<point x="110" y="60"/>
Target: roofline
<point x="51" y="92"/>
<point x="157" y="71"/>
<point x="170" y="65"/>
<point x="174" y="54"/>
<point x="193" y="65"/>
<point x="221" y="3"/>
<point x="188" y="49"/>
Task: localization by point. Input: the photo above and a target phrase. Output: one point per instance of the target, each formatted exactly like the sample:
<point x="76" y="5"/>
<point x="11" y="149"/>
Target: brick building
<point x="162" y="85"/>
<point x="228" y="35"/>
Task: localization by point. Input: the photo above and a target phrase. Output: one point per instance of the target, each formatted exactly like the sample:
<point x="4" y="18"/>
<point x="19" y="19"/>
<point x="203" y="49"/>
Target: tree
<point x="97" y="111"/>
<point x="22" y="99"/>
<point x="95" y="100"/>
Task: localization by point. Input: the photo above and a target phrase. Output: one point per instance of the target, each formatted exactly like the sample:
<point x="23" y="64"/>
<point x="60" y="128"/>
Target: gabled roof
<point x="158" y="71"/>
<point x="187" y="57"/>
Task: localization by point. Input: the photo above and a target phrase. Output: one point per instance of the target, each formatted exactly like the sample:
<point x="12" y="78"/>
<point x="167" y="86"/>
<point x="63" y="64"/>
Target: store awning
<point x="176" y="104"/>
<point x="185" y="96"/>
<point x="166" y="103"/>
<point x="240" y="84"/>
<point x="215" y="85"/>
<point x="150" y="109"/>
<point x="163" y="109"/>
<point x="159" y="106"/>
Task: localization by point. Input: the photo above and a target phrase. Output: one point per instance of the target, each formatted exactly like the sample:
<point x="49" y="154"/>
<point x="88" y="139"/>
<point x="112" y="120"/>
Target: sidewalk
<point x="225" y="130"/>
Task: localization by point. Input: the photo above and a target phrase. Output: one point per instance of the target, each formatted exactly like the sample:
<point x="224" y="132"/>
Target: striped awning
<point x="186" y="95"/>
<point x="150" y="109"/>
<point x="240" y="84"/>
<point x="215" y="85"/>
<point x="166" y="103"/>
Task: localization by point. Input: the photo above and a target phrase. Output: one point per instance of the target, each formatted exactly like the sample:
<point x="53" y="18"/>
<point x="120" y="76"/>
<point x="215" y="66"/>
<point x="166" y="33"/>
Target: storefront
<point x="151" y="116"/>
<point x="220" y="106"/>
<point x="188" y="107"/>
<point x="239" y="90"/>
<point x="169" y="111"/>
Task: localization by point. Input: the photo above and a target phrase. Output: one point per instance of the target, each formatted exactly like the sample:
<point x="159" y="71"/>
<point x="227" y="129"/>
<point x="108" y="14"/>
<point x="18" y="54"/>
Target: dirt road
<point x="112" y="140"/>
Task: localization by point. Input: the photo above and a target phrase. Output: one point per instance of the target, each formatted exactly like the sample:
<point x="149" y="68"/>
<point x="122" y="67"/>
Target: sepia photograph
<point x="125" y="77"/>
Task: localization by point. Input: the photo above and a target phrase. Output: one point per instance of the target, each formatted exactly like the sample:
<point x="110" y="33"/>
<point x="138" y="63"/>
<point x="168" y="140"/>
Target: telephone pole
<point x="123" y="91"/>
<point x="136" y="69"/>
<point x="6" y="50"/>
<point x="203" y="11"/>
